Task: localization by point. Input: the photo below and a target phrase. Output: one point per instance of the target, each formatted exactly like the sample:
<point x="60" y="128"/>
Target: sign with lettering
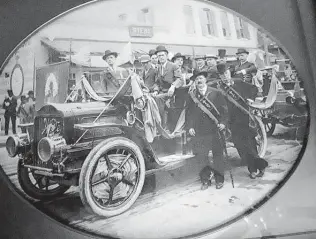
<point x="140" y="31"/>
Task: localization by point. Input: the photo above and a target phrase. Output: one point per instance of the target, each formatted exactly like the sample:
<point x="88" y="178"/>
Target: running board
<point x="170" y="162"/>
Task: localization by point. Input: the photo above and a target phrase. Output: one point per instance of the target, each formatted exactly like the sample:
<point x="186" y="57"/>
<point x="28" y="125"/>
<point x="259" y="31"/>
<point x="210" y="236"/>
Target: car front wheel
<point x="112" y="177"/>
<point x="38" y="186"/>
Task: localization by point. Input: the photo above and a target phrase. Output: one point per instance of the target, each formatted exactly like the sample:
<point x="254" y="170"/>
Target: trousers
<point x="201" y="147"/>
<point x="7" y="122"/>
<point x="246" y="145"/>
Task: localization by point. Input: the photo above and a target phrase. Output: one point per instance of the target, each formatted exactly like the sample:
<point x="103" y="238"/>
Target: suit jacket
<point x="113" y="80"/>
<point x="212" y="72"/>
<point x="200" y="121"/>
<point x="10" y="110"/>
<point x="170" y="75"/>
<point x="149" y="79"/>
<point x="248" y="69"/>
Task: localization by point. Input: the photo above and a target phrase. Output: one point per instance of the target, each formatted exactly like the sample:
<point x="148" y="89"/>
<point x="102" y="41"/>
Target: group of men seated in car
<point x="209" y="113"/>
<point x="160" y="75"/>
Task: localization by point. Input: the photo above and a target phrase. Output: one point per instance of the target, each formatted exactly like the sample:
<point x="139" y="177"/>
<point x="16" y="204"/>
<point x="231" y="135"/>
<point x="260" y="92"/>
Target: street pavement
<point x="181" y="208"/>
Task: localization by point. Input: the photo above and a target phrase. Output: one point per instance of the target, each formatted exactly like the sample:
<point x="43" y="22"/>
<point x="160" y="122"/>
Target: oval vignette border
<point x="14" y="30"/>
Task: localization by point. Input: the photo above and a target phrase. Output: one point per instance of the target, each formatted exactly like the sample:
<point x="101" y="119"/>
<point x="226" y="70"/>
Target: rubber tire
<point x="31" y="190"/>
<point x="93" y="156"/>
<point x="265" y="140"/>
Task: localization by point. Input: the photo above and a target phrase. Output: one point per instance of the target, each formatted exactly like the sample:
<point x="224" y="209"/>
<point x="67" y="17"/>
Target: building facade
<point x="192" y="27"/>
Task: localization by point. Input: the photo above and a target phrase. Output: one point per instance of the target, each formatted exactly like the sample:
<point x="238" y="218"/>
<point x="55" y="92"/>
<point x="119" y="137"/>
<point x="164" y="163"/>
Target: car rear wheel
<point x="261" y="137"/>
<point x="112" y="177"/>
<point x="38" y="186"/>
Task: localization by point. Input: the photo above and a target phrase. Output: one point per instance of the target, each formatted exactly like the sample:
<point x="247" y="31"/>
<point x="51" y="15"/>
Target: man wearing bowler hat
<point x="10" y="105"/>
<point x="148" y="74"/>
<point x="114" y="76"/>
<point x="244" y="69"/>
<point x="169" y="74"/>
<point x="168" y="79"/>
<point x="200" y="64"/>
<point x="206" y="119"/>
<point x="243" y="135"/>
<point x="211" y="62"/>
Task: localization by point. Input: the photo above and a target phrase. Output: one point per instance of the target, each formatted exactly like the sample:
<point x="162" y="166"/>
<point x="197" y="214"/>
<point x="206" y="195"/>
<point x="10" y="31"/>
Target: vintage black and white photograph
<point x="150" y="119"/>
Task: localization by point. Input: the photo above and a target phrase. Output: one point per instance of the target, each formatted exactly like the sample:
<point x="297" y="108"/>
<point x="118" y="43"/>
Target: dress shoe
<point x="219" y="185"/>
<point x="253" y="175"/>
<point x="204" y="186"/>
<point x="261" y="173"/>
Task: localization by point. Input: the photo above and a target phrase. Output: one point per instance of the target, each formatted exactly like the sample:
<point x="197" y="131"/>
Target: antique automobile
<point x="102" y="147"/>
<point x="289" y="110"/>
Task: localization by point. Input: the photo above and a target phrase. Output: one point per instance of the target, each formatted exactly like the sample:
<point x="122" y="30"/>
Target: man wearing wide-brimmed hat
<point x="10" y="105"/>
<point x="206" y="116"/>
<point x="114" y="76"/>
<point x="244" y="69"/>
<point x="148" y="74"/>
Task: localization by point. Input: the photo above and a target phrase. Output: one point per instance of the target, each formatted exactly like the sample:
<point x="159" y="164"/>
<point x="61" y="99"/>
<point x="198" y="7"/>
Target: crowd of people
<point x="209" y="112"/>
<point x="23" y="108"/>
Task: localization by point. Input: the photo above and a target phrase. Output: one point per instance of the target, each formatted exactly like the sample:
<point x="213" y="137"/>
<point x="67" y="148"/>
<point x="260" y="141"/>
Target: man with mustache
<point x="168" y="79"/>
<point x="206" y="119"/>
<point x="243" y="136"/>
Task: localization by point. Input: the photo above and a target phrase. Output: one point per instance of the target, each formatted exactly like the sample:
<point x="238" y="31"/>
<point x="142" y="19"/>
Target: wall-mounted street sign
<point x="141" y="31"/>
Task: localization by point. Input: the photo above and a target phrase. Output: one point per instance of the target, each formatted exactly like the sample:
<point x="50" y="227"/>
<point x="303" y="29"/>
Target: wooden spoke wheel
<point x="112" y="177"/>
<point x="38" y="186"/>
<point x="261" y="137"/>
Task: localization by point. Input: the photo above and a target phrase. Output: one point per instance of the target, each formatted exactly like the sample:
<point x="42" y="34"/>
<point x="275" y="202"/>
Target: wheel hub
<point x="115" y="176"/>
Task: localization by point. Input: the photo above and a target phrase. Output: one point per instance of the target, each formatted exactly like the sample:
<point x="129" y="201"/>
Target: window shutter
<point x="203" y="22"/>
<point x="246" y="30"/>
<point x="237" y="26"/>
<point x="214" y="25"/>
<point x="225" y="24"/>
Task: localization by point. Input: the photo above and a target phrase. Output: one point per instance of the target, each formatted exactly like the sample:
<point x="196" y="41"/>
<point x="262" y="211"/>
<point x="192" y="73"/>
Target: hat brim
<point x="199" y="58"/>
<point x="161" y="51"/>
<point x="109" y="54"/>
<point x="245" y="52"/>
<point x="176" y="57"/>
<point x="203" y="73"/>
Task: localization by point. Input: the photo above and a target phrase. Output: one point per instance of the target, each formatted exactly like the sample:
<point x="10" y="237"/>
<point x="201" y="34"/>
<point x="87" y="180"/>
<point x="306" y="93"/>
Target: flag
<point x="126" y="55"/>
<point x="51" y="84"/>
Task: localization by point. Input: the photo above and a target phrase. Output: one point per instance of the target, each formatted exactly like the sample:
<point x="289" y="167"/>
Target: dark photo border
<point x="290" y="22"/>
